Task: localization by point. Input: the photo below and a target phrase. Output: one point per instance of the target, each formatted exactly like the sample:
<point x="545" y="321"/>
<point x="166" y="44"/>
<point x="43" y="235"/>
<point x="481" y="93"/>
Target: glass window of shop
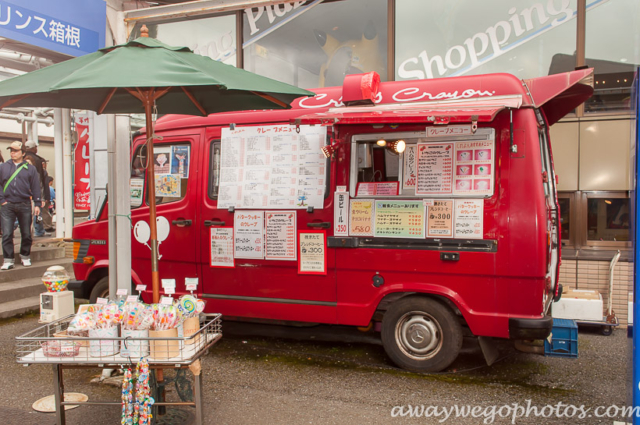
<point x="613" y="49"/>
<point x="214" y="37"/>
<point x="315" y="43"/>
<point x="465" y="37"/>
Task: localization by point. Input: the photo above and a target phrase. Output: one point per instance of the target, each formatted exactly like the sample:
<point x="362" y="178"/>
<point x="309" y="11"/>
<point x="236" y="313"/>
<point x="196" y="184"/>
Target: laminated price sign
<point x="361" y="218"/>
<point x="469" y="215"/>
<point x="313" y="252"/>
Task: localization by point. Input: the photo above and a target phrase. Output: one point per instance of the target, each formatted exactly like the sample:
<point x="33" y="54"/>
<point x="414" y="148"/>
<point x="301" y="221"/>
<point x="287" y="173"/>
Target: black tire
<point x="606" y="330"/>
<point x="100" y="290"/>
<point x="421" y="335"/>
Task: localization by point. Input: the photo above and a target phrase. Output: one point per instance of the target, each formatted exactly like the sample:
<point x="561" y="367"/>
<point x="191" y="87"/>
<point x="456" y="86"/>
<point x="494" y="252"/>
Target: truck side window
<point x="138" y="170"/>
<point x="214" y="169"/>
<point x="172" y="169"/>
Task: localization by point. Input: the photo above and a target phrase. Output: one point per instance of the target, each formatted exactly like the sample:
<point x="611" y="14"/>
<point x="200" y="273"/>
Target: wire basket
<point x="174" y="350"/>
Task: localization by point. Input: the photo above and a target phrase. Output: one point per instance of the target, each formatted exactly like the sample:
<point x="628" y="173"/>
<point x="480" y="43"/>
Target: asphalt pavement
<point x="264" y="374"/>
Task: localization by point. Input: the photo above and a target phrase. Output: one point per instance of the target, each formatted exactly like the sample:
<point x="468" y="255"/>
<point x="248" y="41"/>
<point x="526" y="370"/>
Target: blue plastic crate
<point x="564" y="339"/>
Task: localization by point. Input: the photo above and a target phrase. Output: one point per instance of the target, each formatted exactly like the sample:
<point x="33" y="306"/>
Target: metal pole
<point x="68" y="181"/>
<point x="112" y="194"/>
<point x="59" y="174"/>
<point x="122" y="201"/>
<point x="58" y="393"/>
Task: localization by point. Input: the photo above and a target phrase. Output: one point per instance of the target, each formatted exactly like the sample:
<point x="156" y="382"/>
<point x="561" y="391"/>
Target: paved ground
<point x="335" y="375"/>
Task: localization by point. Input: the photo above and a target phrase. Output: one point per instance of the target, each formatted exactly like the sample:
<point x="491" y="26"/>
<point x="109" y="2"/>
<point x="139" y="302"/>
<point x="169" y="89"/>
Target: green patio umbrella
<point x="136" y="77"/>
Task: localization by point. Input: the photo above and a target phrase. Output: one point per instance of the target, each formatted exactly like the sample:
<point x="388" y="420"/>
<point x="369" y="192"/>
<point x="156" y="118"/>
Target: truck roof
<point x="561" y="92"/>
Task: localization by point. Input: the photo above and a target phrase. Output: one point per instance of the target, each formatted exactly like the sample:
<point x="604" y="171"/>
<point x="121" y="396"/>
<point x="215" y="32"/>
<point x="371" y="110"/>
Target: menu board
<point x="280" y="241"/>
<point x="409" y="167"/>
<point x="361" y="218"/>
<point x="377" y="188"/>
<point x="341" y="214"/>
<point x="313" y="249"/>
<point x="435" y="169"/>
<point x="399" y="219"/>
<point x="221" y="247"/>
<point x="440" y="218"/>
<point x="469" y="215"/>
<point x="248" y="229"/>
<point x="272" y="167"/>
<point x="474" y="170"/>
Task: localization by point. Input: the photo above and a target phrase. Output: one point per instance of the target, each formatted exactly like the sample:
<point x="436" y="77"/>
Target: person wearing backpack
<point x="20" y="183"/>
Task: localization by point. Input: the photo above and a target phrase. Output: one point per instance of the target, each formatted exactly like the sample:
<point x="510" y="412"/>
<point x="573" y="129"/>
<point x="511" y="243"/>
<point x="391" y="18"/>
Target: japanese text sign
<point x="399" y="219"/>
<point x="313" y="252"/>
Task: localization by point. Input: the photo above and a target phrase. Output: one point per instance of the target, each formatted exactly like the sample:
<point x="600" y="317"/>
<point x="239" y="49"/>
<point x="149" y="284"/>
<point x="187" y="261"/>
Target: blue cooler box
<point x="563" y="341"/>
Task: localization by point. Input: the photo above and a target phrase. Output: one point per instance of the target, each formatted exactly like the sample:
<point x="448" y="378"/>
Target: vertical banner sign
<point x="361" y="218"/>
<point x="409" y="169"/>
<point x="341" y="214"/>
<point x="81" y="158"/>
<point x="280" y="242"/>
<point x="399" y="219"/>
<point x="248" y="230"/>
<point x="435" y="169"/>
<point x="313" y="252"/>
<point x="221" y="247"/>
<point x="468" y="216"/>
<point x="440" y="218"/>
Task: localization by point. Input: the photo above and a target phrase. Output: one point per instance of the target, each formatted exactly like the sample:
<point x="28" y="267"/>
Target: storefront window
<point x="565" y="220"/>
<point x="316" y="44"/>
<point x="214" y="37"/>
<point x="613" y="50"/>
<point x="465" y="37"/>
<point x="608" y="219"/>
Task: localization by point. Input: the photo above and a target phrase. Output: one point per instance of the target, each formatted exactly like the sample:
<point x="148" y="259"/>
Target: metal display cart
<point x="49" y="344"/>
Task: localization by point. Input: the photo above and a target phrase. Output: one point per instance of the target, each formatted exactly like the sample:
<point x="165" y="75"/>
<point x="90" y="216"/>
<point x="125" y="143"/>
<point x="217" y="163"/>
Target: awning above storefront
<point x="443" y="112"/>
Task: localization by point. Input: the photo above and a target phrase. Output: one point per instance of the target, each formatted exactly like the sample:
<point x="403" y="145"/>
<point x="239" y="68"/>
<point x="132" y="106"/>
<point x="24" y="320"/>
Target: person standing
<point x="20" y="183"/>
<point x="40" y="221"/>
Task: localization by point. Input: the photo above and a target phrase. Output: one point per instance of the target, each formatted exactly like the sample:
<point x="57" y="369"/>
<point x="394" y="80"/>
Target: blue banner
<point x="71" y="27"/>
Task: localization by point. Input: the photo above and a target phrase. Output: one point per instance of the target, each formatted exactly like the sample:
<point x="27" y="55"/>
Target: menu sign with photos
<point x="221" y="247"/>
<point x="469" y="216"/>
<point x="341" y="214"/>
<point x="399" y="219"/>
<point x="313" y="252"/>
<point x="474" y="170"/>
<point x="280" y="240"/>
<point x="272" y="167"/>
<point x="440" y="218"/>
<point x="248" y="230"/>
<point x="361" y="218"/>
<point x="435" y="169"/>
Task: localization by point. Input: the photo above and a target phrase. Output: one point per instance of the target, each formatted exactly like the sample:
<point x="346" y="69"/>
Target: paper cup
<point x="191" y="326"/>
<point x="134" y="348"/>
<point x="164" y="349"/>
<point x="107" y="347"/>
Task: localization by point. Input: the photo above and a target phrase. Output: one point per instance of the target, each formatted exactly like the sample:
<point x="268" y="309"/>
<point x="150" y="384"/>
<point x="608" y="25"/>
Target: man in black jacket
<point x="31" y="155"/>
<point x="20" y="183"/>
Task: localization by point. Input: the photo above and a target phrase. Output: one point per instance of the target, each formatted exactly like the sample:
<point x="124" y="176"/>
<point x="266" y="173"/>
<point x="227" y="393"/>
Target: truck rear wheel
<point x="100" y="290"/>
<point x="421" y="335"/>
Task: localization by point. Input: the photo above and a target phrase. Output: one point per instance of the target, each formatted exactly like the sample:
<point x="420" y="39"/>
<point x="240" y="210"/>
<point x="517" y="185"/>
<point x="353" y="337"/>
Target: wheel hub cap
<point x="419" y="335"/>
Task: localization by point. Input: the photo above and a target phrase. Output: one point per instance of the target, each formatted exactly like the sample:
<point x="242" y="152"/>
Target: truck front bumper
<point x="78" y="289"/>
<point x="520" y="328"/>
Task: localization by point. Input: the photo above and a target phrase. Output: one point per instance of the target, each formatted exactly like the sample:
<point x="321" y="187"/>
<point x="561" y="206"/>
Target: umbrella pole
<point x="151" y="179"/>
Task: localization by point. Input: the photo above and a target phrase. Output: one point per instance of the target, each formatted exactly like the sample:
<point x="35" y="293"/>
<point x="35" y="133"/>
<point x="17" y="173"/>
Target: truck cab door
<point x="176" y="175"/>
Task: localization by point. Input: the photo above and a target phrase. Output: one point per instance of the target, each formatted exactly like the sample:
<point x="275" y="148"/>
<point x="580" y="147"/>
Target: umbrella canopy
<point x="136" y="76"/>
<point x="196" y="85"/>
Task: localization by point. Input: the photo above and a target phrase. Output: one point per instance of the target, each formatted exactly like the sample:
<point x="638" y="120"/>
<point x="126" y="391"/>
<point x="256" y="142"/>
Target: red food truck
<point x="419" y="207"/>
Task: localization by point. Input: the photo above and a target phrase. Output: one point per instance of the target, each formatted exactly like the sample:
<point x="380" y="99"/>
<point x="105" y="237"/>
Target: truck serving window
<point x="415" y="164"/>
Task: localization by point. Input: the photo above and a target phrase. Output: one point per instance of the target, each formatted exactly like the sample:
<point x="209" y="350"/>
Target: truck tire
<point x="100" y="290"/>
<point x="421" y="335"/>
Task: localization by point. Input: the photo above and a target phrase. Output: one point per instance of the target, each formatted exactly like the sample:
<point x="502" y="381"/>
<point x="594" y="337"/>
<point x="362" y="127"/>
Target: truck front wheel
<point x="100" y="290"/>
<point x="421" y="335"/>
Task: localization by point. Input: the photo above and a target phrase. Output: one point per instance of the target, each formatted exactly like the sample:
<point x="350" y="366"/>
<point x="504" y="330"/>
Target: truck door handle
<point x="181" y="223"/>
<point x="213" y="223"/>
<point x="323" y="225"/>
